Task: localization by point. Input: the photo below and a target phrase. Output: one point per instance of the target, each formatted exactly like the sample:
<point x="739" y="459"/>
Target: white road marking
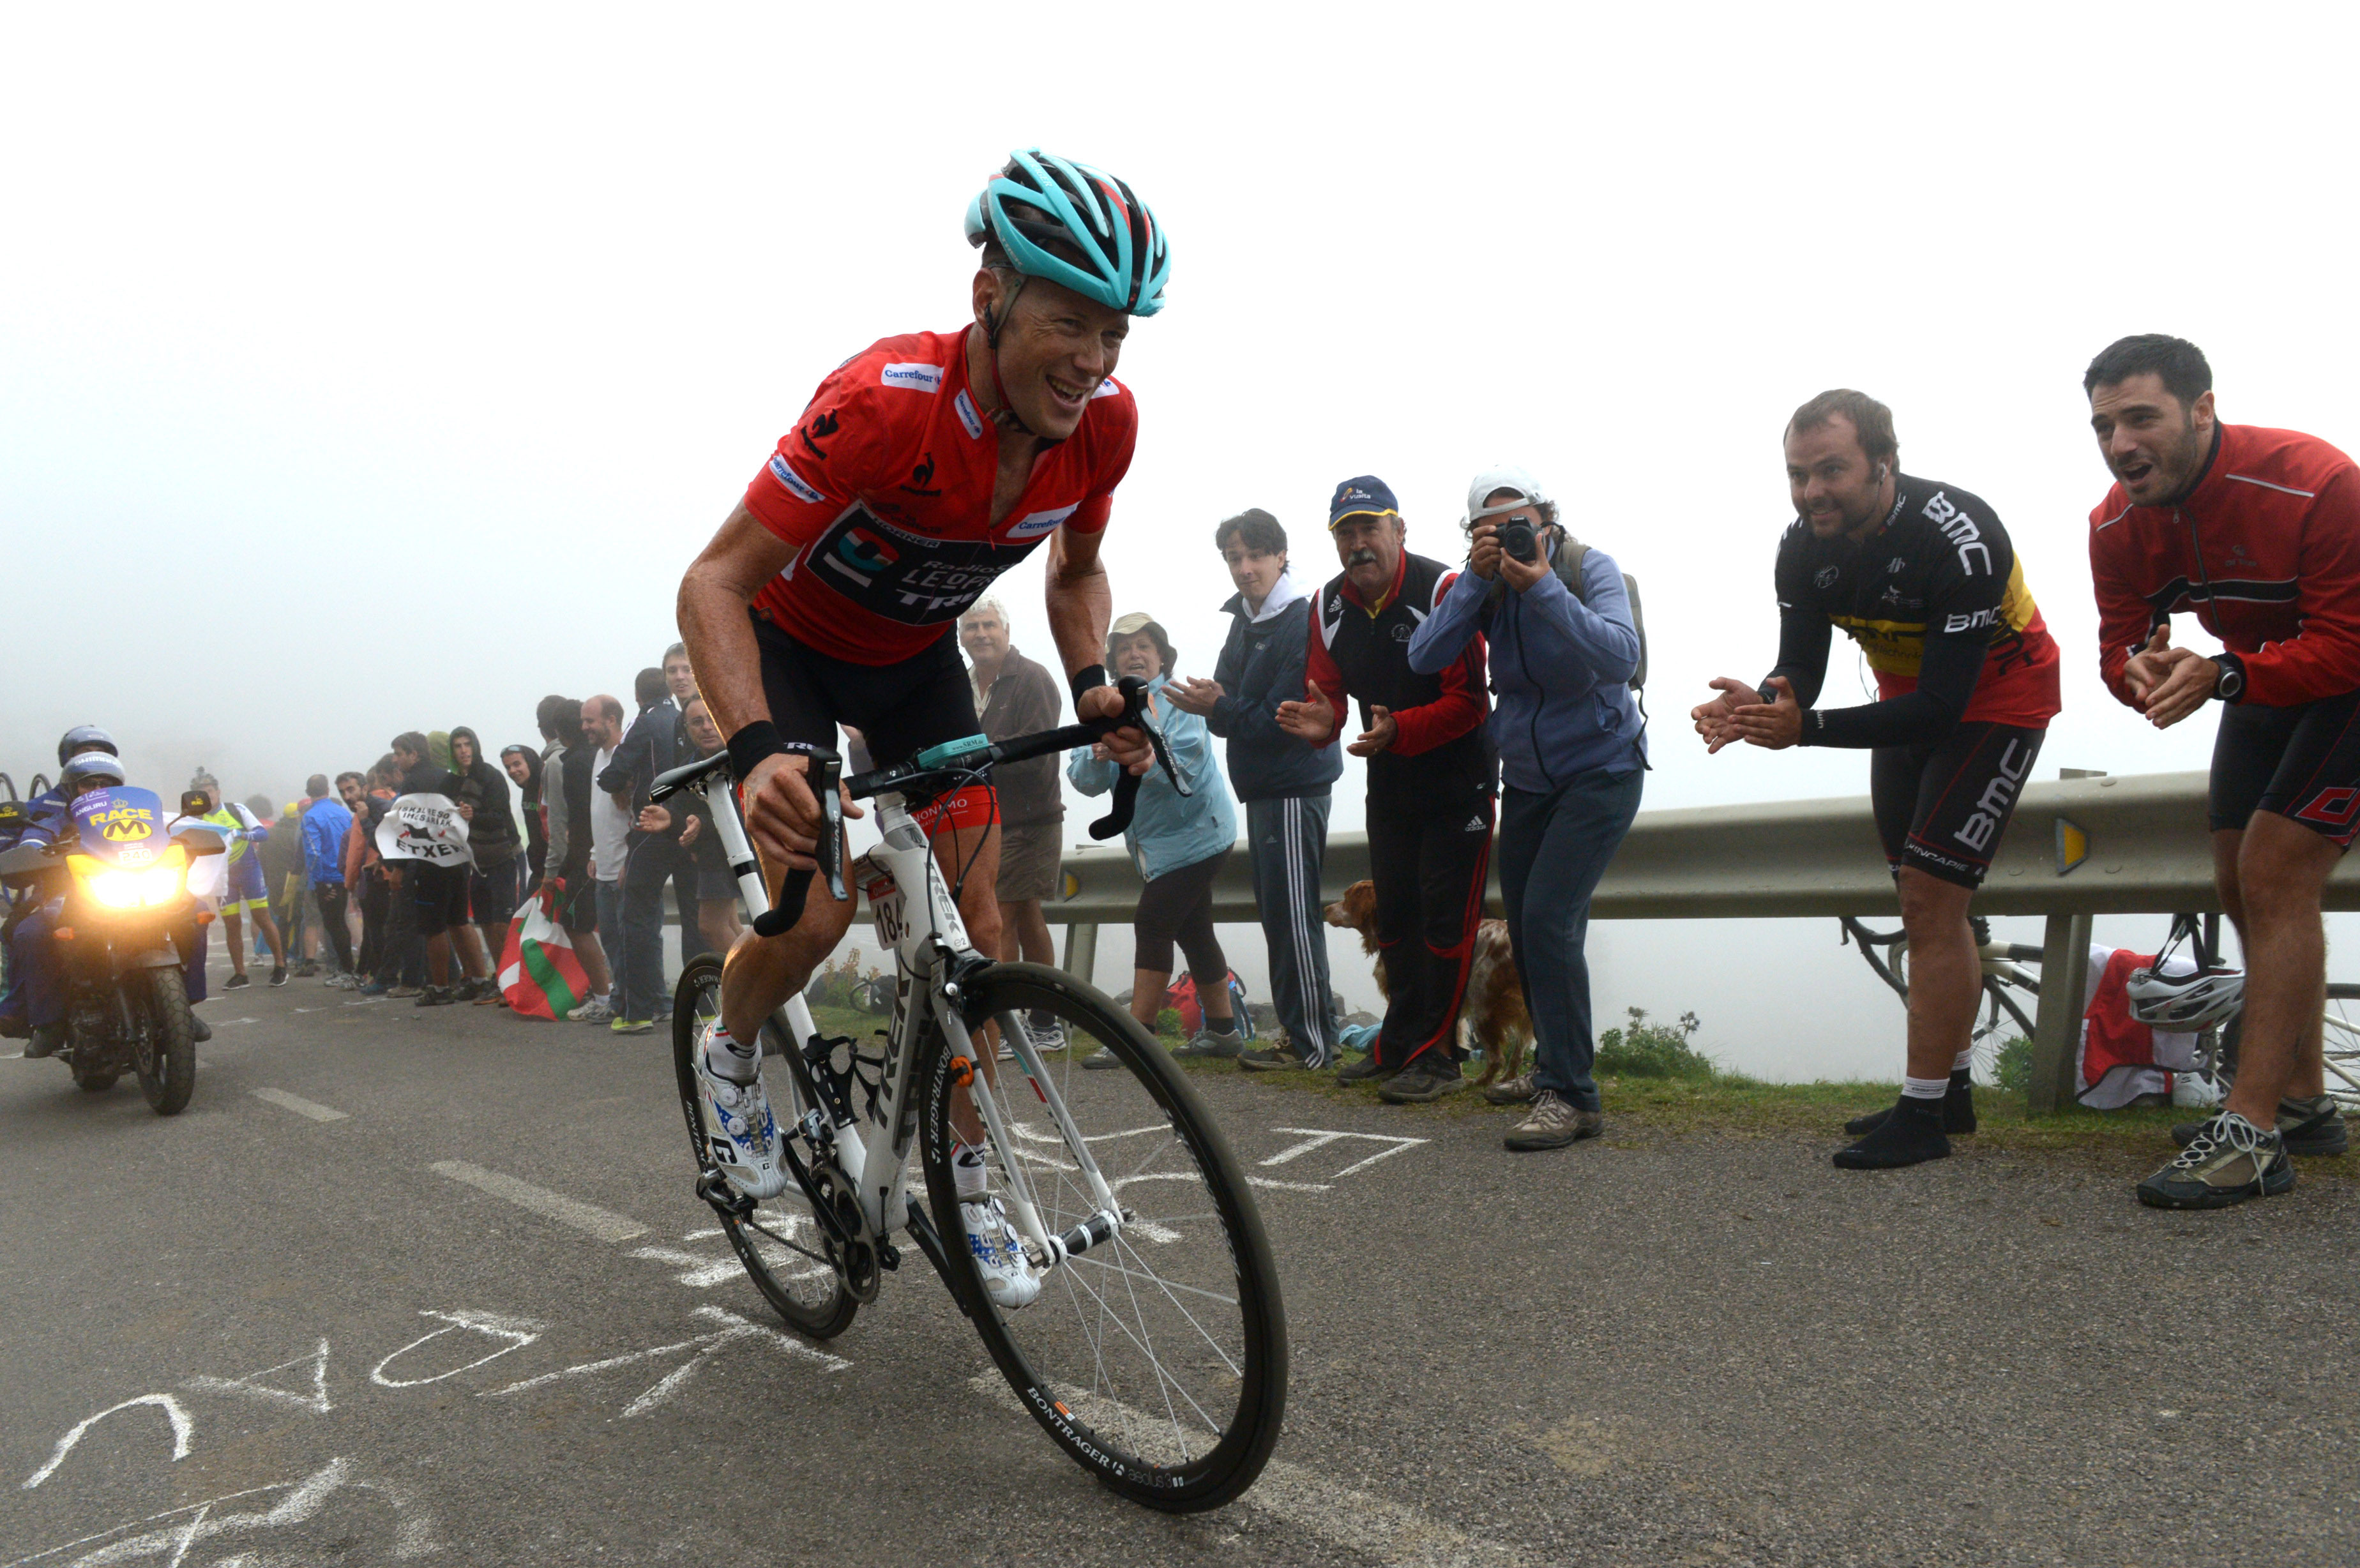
<point x="365" y="1002"/>
<point x="603" y="1224"/>
<point x="1387" y="1533"/>
<point x="1288" y="1186"/>
<point x="12" y="1056"/>
<point x="413" y="1537"/>
<point x="299" y="1106"/>
<point x="735" y="1328"/>
<point x="182" y="1426"/>
<point x="702" y="1273"/>
<point x="517" y="1331"/>
<point x="1315" y="1137"/>
<point x="316" y="1401"/>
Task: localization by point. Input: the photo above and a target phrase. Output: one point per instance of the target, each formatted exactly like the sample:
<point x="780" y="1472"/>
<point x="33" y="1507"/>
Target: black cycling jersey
<point x="1937" y="601"/>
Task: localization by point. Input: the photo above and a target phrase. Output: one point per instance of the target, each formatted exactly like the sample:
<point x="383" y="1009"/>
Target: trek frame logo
<point x="1960" y="530"/>
<point x="1998" y="799"/>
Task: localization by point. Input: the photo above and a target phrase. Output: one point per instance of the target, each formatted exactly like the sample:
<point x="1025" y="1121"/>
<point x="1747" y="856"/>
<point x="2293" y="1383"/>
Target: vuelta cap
<point x="1366" y="494"/>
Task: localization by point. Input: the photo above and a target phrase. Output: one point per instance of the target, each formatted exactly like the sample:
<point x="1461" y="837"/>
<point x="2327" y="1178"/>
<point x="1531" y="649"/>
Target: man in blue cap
<point x="1432" y="779"/>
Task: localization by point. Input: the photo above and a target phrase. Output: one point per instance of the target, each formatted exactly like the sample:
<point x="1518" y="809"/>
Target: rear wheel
<point x="1157" y="1359"/>
<point x="166" y="1056"/>
<point x="777" y="1240"/>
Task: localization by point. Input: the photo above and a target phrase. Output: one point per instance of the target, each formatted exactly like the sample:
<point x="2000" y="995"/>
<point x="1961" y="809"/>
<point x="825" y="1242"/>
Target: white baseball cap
<point x="1502" y="476"/>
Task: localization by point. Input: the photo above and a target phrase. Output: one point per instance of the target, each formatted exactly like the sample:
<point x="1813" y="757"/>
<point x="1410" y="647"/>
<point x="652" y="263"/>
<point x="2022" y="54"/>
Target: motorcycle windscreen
<point x="122" y="827"/>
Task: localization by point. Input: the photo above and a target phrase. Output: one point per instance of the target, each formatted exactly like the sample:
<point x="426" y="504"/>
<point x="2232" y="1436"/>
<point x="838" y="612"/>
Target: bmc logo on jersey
<point x="913" y="377"/>
<point x="1973" y="622"/>
<point x="1036" y="525"/>
<point x="1998" y="796"/>
<point x="1960" y="530"/>
<point x="783" y="472"/>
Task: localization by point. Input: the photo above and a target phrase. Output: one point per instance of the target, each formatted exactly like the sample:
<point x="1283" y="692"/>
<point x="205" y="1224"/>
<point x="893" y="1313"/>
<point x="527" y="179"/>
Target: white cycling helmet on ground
<point x="2186" y="1003"/>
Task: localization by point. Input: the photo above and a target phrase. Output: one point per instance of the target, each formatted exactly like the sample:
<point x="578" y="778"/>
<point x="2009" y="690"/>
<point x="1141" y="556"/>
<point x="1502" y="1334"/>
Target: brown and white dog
<point x="1491" y="1016"/>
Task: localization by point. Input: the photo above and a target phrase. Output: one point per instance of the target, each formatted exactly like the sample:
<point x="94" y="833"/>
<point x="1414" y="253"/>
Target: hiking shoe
<point x="1274" y="1058"/>
<point x="278" y="975"/>
<point x="632" y="1026"/>
<point x="1008" y="1276"/>
<point x="237" y="982"/>
<point x="472" y="988"/>
<point x="1518" y="1091"/>
<point x="1907" y="1136"/>
<point x="403" y="991"/>
<point x="2313" y="1126"/>
<point x="1958" y="1111"/>
<point x="2230" y="1161"/>
<point x="1100" y="1058"/>
<point x="1423" y="1081"/>
<point x="1368" y="1069"/>
<point x="1208" y="1043"/>
<point x="1553" y="1123"/>
<point x="596" y="1010"/>
<point x="437" y="997"/>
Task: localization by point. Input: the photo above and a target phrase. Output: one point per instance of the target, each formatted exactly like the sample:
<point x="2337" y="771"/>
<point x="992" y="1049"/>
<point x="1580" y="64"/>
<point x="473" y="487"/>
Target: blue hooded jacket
<point x="1561" y="669"/>
<point x="1166" y="830"/>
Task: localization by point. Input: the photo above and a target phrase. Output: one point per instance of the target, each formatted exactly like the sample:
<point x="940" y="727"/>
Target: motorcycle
<point x="118" y="884"/>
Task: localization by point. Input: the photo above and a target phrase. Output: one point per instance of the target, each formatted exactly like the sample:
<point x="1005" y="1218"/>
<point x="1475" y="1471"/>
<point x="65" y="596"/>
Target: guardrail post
<point x="2057" y="1032"/>
<point x="1081" y="952"/>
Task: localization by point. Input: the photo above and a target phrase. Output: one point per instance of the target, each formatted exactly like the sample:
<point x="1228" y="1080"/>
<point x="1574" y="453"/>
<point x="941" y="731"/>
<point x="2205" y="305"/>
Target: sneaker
<point x="1907" y="1136"/>
<point x="237" y="982"/>
<point x="1368" y="1069"/>
<point x="1008" y="1276"/>
<point x="1553" y="1123"/>
<point x="1273" y="1059"/>
<point x="199" y="1030"/>
<point x="749" y="1150"/>
<point x="1045" y="1037"/>
<point x="1958" y="1111"/>
<point x="2314" y="1127"/>
<point x="278" y="975"/>
<point x="1429" y="1078"/>
<point x="632" y="1026"/>
<point x="1521" y="1090"/>
<point x="471" y="988"/>
<point x="340" y="981"/>
<point x="374" y="989"/>
<point x="596" y="1010"/>
<point x="308" y="970"/>
<point x="2230" y="1161"/>
<point x="1100" y="1058"/>
<point x="1207" y="1044"/>
<point x="44" y="1041"/>
<point x="401" y="991"/>
<point x="437" y="997"/>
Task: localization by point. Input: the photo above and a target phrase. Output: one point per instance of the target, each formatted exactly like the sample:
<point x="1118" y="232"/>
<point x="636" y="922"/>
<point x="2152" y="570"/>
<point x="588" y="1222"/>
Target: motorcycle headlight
<point x="119" y="889"/>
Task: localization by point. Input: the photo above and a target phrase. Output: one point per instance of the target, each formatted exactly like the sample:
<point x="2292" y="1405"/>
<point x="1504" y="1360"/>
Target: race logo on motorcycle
<point x="427" y="828"/>
<point x="121" y="825"/>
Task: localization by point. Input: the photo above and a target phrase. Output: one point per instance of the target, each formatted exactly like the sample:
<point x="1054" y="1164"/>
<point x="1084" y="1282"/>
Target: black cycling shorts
<point x="2302" y="763"/>
<point x="1942" y="807"/>
<point x="900" y="708"/>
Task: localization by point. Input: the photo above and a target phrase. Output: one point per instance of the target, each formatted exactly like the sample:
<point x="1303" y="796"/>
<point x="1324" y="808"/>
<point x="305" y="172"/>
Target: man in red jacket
<point x="2256" y="533"/>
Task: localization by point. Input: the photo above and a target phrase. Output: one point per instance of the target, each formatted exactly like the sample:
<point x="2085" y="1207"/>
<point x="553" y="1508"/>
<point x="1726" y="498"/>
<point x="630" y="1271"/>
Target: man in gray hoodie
<point x="1283" y="783"/>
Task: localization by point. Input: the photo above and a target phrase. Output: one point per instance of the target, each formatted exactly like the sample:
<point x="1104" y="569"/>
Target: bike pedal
<point x="888" y="1256"/>
<point x="715" y="1189"/>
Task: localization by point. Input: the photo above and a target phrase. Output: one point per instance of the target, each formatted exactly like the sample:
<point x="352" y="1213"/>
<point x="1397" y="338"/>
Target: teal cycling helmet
<point x="1076" y="226"/>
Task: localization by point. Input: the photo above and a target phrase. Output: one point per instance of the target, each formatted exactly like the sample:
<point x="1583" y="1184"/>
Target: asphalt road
<point x="410" y="1285"/>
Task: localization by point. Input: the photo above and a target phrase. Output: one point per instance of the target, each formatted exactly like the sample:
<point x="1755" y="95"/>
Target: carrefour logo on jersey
<point x="1033" y="525"/>
<point x="914" y="377"/>
<point x="783" y="472"/>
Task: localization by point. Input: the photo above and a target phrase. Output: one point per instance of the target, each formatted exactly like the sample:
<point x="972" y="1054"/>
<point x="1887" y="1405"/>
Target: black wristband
<point x="1087" y="680"/>
<point x="751" y="744"/>
<point x="1814" y="725"/>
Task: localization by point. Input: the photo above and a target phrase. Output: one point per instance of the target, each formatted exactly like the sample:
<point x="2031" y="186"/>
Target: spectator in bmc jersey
<point x="2255" y="533"/>
<point x="523" y="766"/>
<point x="610" y="832"/>
<point x="326" y="824"/>
<point x="1431" y="779"/>
<point x="1177" y="843"/>
<point x="494" y="884"/>
<point x="438" y="894"/>
<point x="1573" y="754"/>
<point x="1017" y="696"/>
<point x="1284" y="785"/>
<point x="566" y="790"/>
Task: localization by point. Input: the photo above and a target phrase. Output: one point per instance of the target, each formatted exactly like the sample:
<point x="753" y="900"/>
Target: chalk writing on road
<point x="316" y="1399"/>
<point x="170" y="1537"/>
<point x="517" y="1332"/>
<point x="183" y="1427"/>
<point x="706" y="1346"/>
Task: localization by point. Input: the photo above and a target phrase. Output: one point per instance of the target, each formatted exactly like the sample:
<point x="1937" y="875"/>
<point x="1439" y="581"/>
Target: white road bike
<point x="1156" y="1354"/>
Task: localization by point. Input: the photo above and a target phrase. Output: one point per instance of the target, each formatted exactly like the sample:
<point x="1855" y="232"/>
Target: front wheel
<point x="166" y="1059"/>
<point x="1157" y="1359"/>
<point x="777" y="1240"/>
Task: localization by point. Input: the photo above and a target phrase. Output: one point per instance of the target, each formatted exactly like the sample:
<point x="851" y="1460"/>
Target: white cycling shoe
<point x="1008" y="1277"/>
<point x="749" y="1150"/>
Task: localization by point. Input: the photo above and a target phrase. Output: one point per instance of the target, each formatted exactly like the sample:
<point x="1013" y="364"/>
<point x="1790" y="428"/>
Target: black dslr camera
<point x="1516" y="539"/>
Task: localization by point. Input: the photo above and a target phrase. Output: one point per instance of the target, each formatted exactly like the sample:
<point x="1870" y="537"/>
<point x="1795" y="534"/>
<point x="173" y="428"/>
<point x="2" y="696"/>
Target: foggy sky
<point x="368" y="373"/>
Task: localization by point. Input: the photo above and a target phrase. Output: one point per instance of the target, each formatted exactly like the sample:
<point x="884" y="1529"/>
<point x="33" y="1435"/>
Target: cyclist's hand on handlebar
<point x="783" y="816"/>
<point x="1128" y="746"/>
<point x="1712" y="718"/>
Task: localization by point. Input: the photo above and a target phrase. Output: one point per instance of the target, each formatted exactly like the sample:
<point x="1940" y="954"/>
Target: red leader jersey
<point x="884" y="489"/>
<point x="2265" y="551"/>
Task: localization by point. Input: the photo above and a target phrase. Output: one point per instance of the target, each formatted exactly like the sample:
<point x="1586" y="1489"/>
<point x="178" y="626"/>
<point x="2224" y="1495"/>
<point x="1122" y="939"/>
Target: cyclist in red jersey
<point x="925" y="467"/>
<point x="2256" y="533"/>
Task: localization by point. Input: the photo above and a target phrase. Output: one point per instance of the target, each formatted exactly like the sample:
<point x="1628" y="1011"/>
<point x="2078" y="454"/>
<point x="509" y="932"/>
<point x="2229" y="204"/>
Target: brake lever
<point x="1126" y="784"/>
<point x="822" y="776"/>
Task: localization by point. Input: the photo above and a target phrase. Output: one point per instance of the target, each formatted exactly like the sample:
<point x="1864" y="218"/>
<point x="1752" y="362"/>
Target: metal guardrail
<point x="2077" y="847"/>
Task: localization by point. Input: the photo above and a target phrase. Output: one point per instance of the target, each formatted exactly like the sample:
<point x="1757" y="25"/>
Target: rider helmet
<point x="1075" y="225"/>
<point x="82" y="738"/>
<point x="2186" y="1004"/>
<point x="90" y="767"/>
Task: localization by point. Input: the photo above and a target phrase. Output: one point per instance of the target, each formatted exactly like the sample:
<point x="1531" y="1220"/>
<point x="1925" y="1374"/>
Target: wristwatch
<point x="2229" y="685"/>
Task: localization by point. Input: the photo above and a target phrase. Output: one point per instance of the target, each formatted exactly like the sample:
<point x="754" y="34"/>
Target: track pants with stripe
<point x="1288" y="841"/>
<point x="1429" y="859"/>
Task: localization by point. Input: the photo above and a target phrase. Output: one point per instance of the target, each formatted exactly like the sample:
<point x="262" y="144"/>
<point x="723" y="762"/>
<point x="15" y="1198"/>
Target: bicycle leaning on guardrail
<point x="1998" y="1017"/>
<point x="1156" y="1354"/>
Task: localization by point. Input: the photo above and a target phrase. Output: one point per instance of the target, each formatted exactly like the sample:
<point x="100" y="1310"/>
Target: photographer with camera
<point x="1565" y="648"/>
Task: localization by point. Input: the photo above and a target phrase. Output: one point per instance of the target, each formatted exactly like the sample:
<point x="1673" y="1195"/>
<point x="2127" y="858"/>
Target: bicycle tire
<point x="778" y="1243"/>
<point x="1212" y="1233"/>
<point x="166" y="1059"/>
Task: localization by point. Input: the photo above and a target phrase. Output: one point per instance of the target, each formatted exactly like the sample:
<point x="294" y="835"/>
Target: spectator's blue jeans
<point x="610" y="935"/>
<point x="653" y="861"/>
<point x="1554" y="846"/>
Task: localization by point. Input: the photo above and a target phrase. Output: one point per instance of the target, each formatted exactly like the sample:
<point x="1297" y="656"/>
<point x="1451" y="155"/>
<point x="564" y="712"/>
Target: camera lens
<point x="1516" y="539"/>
